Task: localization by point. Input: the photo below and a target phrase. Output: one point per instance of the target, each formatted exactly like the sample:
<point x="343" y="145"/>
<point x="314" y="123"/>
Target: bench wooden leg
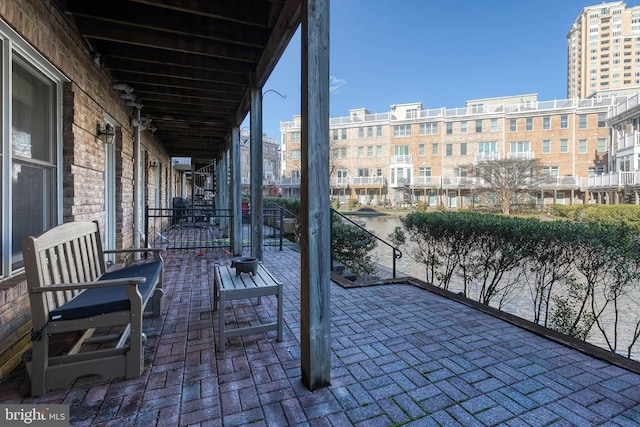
<point x="39" y="365"/>
<point x="221" y="337"/>
<point x="156" y="303"/>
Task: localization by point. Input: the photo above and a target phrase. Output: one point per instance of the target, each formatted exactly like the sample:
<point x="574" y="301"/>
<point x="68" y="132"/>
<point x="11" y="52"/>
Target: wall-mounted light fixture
<point x="123" y="87"/>
<point x="106" y="133"/>
<point x="138" y="105"/>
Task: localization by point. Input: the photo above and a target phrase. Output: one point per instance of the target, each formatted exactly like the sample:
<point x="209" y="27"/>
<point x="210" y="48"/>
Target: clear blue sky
<point x="437" y="52"/>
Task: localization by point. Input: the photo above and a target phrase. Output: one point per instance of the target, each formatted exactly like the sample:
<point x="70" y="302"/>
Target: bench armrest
<point x="157" y="252"/>
<point x="86" y="285"/>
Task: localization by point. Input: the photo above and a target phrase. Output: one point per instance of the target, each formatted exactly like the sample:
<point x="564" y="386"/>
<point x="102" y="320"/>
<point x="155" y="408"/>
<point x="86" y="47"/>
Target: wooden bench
<point x="229" y="286"/>
<point x="71" y="291"/>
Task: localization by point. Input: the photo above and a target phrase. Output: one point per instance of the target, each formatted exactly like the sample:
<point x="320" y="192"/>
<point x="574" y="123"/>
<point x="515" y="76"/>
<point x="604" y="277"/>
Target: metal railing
<point x="396" y="253"/>
<point x="202" y="226"/>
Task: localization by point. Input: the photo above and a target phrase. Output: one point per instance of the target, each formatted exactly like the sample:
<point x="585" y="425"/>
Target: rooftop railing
<point x="529" y="106"/>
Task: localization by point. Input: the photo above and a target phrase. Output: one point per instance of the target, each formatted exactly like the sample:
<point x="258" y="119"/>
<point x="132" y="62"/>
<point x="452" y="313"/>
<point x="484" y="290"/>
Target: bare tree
<point x="507" y="179"/>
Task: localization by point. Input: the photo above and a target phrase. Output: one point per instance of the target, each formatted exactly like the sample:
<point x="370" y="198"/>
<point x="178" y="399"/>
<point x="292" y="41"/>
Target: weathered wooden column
<point x="235" y="196"/>
<point x="223" y="188"/>
<point x="256" y="173"/>
<point x="315" y="216"/>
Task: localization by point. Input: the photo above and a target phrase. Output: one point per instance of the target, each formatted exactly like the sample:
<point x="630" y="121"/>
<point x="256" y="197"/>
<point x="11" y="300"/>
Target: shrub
<point x="351" y="246"/>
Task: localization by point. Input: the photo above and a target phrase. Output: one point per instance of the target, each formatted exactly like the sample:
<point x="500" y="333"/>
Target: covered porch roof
<point x="191" y="63"/>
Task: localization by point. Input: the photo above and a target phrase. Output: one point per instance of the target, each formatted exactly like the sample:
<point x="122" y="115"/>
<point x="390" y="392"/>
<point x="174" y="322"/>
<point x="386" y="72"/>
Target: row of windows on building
<point x="548" y="147"/>
<point x="431" y="128"/>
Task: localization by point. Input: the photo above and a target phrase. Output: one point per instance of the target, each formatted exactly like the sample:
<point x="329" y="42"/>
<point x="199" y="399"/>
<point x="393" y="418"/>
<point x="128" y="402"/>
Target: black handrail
<point x="397" y="254"/>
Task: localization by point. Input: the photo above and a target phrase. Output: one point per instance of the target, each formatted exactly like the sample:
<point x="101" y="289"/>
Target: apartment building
<point x="411" y="153"/>
<point x="604" y="50"/>
<point x="270" y="164"/>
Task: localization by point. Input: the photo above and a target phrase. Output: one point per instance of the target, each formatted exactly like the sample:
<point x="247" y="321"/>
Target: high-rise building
<point x="604" y="50"/>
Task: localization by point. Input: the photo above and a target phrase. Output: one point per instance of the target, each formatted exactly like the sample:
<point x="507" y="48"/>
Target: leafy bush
<point x="578" y="273"/>
<point x="351" y="246"/>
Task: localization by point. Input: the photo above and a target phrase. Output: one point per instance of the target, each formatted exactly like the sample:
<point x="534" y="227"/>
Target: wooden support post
<point x="256" y="173"/>
<point x="315" y="339"/>
<point x="223" y="187"/>
<point x="236" y="194"/>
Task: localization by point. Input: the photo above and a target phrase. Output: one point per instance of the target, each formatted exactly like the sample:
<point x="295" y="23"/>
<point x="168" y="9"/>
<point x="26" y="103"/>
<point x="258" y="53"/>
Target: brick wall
<point x="87" y="99"/>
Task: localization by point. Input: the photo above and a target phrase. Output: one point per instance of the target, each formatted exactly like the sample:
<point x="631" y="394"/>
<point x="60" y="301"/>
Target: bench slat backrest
<point x="71" y="252"/>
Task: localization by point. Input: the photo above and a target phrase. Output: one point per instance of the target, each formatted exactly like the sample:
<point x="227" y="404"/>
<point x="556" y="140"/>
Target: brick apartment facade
<point x="61" y="170"/>
<point x="411" y="154"/>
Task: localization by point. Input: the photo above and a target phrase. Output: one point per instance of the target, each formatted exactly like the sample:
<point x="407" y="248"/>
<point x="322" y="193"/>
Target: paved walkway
<point x="401" y="356"/>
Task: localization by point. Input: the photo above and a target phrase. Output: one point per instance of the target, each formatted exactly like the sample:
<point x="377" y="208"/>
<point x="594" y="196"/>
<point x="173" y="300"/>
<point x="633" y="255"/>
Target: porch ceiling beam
<point x="166" y="20"/>
<point x="132" y="54"/>
<point x="149" y="70"/>
<point x="247" y="12"/>
<point x="151" y="92"/>
<point x="134" y="80"/>
<point x="168" y="42"/>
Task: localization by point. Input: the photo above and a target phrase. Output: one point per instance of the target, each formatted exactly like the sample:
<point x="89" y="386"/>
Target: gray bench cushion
<point x="94" y="302"/>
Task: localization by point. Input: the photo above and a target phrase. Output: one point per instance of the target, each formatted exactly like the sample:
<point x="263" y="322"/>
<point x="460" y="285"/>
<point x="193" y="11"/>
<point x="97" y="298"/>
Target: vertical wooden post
<point x="224" y="189"/>
<point x="256" y="173"/>
<point x="235" y="195"/>
<point x="315" y="213"/>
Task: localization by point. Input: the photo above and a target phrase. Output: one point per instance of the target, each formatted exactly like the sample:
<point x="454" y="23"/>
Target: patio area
<point x="400" y="356"/>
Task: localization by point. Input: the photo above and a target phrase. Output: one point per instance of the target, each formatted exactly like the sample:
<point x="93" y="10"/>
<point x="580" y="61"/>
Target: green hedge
<point x="575" y="272"/>
<point x="606" y="214"/>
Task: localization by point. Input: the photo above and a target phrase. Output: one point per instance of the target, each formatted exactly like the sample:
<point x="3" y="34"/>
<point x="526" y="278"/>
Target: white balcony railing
<point x="521" y="155"/>
<point x="627" y="141"/>
<point x="614" y="179"/>
<point x="404" y="159"/>
<point x="289" y="182"/>
<point x="487" y="155"/>
<point x="427" y="181"/>
<point x="367" y="180"/>
<point x="561" y="181"/>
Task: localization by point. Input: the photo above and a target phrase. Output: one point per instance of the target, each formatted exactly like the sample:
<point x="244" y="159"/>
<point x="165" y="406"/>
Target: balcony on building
<point x="567" y="182"/>
<point x="367" y="181"/>
<point x="486" y="156"/>
<point x="521" y="155"/>
<point x="401" y="160"/>
<point x="427" y="181"/>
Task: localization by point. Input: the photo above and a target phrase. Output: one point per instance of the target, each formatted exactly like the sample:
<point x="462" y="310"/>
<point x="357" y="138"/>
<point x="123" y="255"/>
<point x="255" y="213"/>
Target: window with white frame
<point x="513" y="125"/>
<point x="582" y="121"/>
<point x="602" y="120"/>
<point x="428" y="128"/>
<point x="411" y="113"/>
<point x="400" y="131"/>
<point x="519" y="147"/>
<point x="31" y="107"/>
<point x="494" y="125"/>
<point x="564" y="121"/>
<point x="546" y="146"/>
<point x="564" y="145"/>
<point x="529" y="124"/>
<point x="295" y="136"/>
<point x="582" y="146"/>
<point x="420" y="149"/>
<point x="486" y="147"/>
<point x="602" y="145"/>
<point x="463" y="127"/>
<point x="295" y="154"/>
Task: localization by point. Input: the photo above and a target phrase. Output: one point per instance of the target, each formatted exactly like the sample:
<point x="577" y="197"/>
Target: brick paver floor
<point x="400" y="356"/>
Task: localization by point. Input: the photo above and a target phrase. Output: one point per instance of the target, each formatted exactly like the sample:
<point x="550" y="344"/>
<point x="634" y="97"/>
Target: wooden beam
<point x="315" y="215"/>
<point x="236" y="194"/>
<point x="256" y="173"/>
